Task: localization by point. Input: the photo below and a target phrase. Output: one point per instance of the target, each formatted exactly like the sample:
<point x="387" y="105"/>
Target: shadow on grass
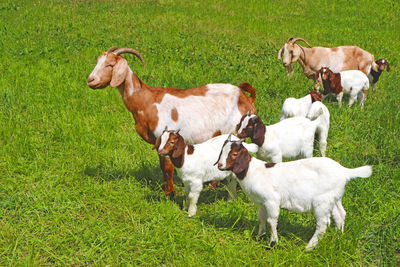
<point x="238" y="221"/>
<point x="151" y="177"/>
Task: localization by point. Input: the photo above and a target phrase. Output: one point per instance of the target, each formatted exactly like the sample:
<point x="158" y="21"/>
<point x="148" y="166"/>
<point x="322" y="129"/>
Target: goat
<point x="314" y="58"/>
<point x="374" y="75"/>
<point x="200" y="113"/>
<point x="293" y="137"/>
<point x="353" y="82"/>
<point x="315" y="184"/>
<point x="195" y="163"/>
<point x="293" y="107"/>
<point x="323" y="127"/>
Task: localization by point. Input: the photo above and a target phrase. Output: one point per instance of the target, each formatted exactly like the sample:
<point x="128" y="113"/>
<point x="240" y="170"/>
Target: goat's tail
<point x="248" y="88"/>
<point x="363" y="172"/>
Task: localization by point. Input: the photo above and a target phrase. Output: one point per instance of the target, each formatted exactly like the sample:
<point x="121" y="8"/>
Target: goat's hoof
<point x="271" y="245"/>
<point x="171" y="194"/>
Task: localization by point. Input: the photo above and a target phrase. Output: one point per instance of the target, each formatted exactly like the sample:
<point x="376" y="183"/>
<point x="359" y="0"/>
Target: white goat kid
<point x="315" y="184"/>
<point x="298" y="107"/>
<point x="352" y="82"/>
<point x="195" y="163"/>
<point x="290" y="138"/>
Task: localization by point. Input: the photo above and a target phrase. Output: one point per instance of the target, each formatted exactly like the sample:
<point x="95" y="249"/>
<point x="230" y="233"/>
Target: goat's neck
<point x="305" y="56"/>
<point x="131" y="85"/>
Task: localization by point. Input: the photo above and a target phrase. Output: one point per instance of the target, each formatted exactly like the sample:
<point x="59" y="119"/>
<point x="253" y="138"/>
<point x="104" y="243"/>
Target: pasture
<point x="78" y="186"/>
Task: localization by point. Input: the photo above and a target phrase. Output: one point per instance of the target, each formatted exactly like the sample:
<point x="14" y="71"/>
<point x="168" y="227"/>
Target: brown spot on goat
<point x="174" y="114"/>
<point x="246" y="103"/>
<point x="269" y="165"/>
<point x="217" y="133"/>
<point x="190" y="149"/>
<point x="315" y="96"/>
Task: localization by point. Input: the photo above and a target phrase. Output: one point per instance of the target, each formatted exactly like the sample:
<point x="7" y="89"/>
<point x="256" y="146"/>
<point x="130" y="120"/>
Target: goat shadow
<point x="151" y="176"/>
<point x="288" y="228"/>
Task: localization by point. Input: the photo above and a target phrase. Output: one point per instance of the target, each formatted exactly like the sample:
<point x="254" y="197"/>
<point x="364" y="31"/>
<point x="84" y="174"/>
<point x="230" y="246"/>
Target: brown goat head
<point x="290" y="53"/>
<point x="111" y="68"/>
<point x="382" y="64"/>
<point x="171" y="144"/>
<point x="251" y="126"/>
<point x="234" y="157"/>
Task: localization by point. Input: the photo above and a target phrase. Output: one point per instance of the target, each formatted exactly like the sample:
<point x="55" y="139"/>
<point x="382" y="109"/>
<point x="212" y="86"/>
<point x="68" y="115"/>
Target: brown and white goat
<point x="353" y="82"/>
<point x="374" y="75"/>
<point x="312" y="59"/>
<point x="200" y="113"/>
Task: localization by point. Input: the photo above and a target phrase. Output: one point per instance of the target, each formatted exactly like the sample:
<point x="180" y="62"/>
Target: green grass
<point x="79" y="186"/>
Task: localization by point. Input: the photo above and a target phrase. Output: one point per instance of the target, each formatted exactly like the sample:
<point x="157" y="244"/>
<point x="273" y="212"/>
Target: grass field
<point x="78" y="186"/>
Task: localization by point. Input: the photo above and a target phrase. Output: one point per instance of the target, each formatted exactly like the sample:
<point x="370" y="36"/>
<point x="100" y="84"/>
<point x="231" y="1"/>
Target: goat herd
<point x="191" y="129"/>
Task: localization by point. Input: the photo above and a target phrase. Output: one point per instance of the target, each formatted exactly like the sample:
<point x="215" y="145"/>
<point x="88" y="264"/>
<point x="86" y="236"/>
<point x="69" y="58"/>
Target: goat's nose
<point x="90" y="79"/>
<point x="219" y="165"/>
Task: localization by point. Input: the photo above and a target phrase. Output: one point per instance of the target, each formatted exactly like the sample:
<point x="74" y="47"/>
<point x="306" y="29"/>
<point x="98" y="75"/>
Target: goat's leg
<point x="273" y="214"/>
<point x="339" y="98"/>
<point x="167" y="168"/>
<point x="322" y="212"/>
<point x="193" y="196"/>
<point x="262" y="220"/>
<point x="339" y="215"/>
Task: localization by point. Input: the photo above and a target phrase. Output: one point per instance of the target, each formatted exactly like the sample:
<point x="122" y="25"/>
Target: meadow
<point x="78" y="186"/>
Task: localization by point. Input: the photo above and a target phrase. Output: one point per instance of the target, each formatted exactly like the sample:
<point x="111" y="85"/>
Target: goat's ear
<point x="241" y="162"/>
<point x="387" y="66"/>
<point x="157" y="144"/>
<point x="280" y="52"/>
<point x="179" y="147"/>
<point x="259" y="129"/>
<point x="119" y="72"/>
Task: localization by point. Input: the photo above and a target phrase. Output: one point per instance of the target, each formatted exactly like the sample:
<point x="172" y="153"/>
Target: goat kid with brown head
<point x="374" y="75"/>
<point x="314" y="184"/>
<point x="289" y="138"/>
<point x="195" y="163"/>
<point x="352" y="82"/>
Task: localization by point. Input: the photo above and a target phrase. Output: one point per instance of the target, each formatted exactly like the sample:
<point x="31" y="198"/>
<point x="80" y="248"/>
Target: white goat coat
<point x="289" y="138"/>
<point x="309" y="184"/>
<point x="293" y="107"/>
<point x="353" y="82"/>
<point x="323" y="126"/>
<point x="201" y="116"/>
<point x="199" y="168"/>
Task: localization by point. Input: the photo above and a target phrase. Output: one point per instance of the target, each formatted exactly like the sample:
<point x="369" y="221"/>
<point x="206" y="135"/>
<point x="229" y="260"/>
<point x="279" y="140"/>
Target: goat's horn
<point x="289" y="39"/>
<point x="130" y="51"/>
<point x="112" y="48"/>
<point x="300" y="39"/>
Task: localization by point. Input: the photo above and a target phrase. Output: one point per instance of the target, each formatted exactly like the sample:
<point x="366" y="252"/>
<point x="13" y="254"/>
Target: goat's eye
<point x="172" y="142"/>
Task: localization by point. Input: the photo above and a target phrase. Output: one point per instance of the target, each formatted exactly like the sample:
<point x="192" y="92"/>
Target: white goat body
<point x="289" y="138"/>
<point x="315" y="184"/>
<point x="353" y="82"/>
<point x="197" y="164"/>
<point x="298" y="107"/>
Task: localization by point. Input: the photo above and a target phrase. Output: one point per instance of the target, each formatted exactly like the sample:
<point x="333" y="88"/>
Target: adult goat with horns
<point x="200" y="113"/>
<point x="312" y="59"/>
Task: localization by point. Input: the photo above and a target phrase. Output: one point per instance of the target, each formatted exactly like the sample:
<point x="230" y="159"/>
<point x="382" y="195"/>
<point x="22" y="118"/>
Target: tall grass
<point x="79" y="186"/>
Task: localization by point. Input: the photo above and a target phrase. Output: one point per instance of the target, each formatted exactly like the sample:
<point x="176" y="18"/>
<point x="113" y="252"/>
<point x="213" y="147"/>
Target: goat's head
<point x="170" y="143"/>
<point x="234" y="157"/>
<point x="111" y="68"/>
<point x="251" y="126"/>
<point x="382" y="63"/>
<point x="290" y="53"/>
<point x="325" y="73"/>
<point x="315" y="96"/>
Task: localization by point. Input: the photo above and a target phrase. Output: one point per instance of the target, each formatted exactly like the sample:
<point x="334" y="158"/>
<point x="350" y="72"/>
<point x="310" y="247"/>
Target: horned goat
<point x="313" y="59"/>
<point x="200" y="113"/>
